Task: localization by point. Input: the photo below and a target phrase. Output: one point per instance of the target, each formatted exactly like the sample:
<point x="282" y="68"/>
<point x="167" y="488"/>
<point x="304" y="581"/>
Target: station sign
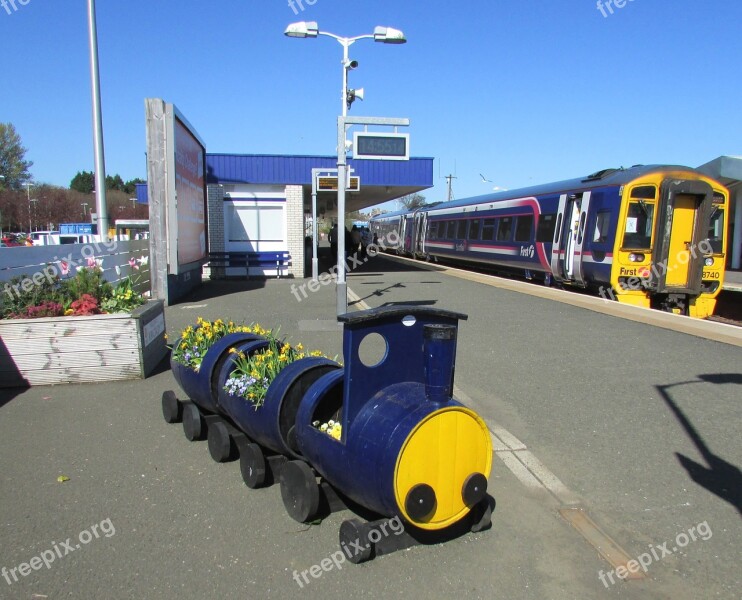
<point x="381" y="146"/>
<point x="329" y="183"/>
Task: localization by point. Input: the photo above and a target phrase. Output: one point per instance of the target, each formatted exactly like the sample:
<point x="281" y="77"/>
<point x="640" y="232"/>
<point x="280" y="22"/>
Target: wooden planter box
<point x="82" y="349"/>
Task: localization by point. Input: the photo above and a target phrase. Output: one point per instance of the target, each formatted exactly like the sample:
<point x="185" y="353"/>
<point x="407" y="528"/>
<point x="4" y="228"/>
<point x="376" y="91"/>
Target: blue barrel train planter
<point x="404" y="449"/>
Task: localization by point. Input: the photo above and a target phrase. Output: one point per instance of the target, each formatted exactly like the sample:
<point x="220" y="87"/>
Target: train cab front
<point x="671" y="244"/>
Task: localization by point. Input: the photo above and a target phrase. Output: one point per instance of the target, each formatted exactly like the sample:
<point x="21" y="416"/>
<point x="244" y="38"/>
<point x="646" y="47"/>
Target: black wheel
<point x="172" y="409"/>
<point x="193" y="423"/>
<point x="221" y="445"/>
<point x="354" y="541"/>
<point x="252" y="466"/>
<point x="299" y="491"/>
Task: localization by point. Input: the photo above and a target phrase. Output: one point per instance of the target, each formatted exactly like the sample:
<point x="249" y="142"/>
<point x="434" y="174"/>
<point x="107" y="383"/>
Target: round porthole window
<point x="372" y="350"/>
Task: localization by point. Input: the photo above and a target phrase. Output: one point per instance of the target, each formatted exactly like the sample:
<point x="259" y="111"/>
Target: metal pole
<point x="342" y="286"/>
<point x="28" y="196"/>
<point x="315" y="245"/>
<point x="100" y="162"/>
<point x="737" y="240"/>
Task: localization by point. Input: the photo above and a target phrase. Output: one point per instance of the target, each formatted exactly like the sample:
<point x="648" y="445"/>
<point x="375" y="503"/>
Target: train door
<point x="419" y="235"/>
<point x="409" y="234"/>
<point x="685" y="212"/>
<point x="569" y="235"/>
<point x="681" y="234"/>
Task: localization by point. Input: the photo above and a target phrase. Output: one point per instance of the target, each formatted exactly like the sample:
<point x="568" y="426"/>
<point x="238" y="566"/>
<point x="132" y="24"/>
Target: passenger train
<point x="651" y="236"/>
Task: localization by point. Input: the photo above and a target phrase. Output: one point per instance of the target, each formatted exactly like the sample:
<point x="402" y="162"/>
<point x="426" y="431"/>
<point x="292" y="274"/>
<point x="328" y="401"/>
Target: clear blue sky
<point x="522" y="91"/>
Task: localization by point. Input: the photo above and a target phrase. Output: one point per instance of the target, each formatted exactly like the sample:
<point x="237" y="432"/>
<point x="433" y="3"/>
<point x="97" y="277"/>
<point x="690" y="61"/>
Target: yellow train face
<point x="443" y="467"/>
<point x="671" y="242"/>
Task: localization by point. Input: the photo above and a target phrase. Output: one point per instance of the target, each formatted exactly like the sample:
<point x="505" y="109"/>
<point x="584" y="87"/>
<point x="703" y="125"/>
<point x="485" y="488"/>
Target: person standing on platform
<point x="355" y="239"/>
<point x="332" y="237"/>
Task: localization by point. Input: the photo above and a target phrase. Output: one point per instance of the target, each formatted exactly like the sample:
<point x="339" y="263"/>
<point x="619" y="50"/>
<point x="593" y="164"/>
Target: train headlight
<point x="709" y="262"/>
<point x="636" y="257"/>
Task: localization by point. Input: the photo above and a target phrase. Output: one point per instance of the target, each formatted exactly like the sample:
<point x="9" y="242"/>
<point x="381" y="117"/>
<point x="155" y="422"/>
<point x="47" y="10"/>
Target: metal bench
<point x="246" y="260"/>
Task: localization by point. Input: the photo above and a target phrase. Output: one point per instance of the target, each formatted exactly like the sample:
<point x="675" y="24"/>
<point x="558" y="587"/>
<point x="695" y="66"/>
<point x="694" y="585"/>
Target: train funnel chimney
<point x="439" y="348"/>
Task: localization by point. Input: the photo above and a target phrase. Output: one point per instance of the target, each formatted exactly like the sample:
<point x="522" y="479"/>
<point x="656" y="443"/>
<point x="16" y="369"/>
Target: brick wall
<point x="295" y="229"/>
<point x="215" y="198"/>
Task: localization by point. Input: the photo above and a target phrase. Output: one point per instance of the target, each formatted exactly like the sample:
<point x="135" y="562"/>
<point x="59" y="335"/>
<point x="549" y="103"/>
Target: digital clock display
<point x="381" y="146"/>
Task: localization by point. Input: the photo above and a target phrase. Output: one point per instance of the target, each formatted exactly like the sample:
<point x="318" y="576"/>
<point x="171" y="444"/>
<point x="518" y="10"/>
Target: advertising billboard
<point x="187" y="221"/>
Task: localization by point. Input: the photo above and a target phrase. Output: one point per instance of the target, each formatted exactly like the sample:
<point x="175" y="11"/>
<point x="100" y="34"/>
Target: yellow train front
<point x="670" y="246"/>
<point x="404" y="447"/>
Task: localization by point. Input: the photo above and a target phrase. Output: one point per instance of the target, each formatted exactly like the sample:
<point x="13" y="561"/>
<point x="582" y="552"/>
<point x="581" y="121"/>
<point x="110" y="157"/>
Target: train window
<point x="716" y="231"/>
<point x="461" y="230"/>
<point x="523" y="228"/>
<point x="451" y="230"/>
<point x="639" y="225"/>
<point x="474" y="227"/>
<point x="602" y="226"/>
<point x="488" y="230"/>
<point x="433" y="230"/>
<point x="504" y="229"/>
<point x="647" y="192"/>
<point x="545" y="230"/>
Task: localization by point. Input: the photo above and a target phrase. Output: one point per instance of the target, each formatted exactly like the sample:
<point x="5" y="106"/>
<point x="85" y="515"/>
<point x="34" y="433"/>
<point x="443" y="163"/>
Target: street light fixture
<point x="384" y="35"/>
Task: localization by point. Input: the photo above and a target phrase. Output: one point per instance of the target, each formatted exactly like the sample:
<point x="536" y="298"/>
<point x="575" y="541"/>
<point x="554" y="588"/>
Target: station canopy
<point x="725" y="169"/>
<point x="380" y="180"/>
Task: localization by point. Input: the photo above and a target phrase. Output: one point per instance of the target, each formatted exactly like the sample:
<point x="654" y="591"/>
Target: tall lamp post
<point x="100" y="162"/>
<point x="384" y="35"/>
<point x="2" y="177"/>
<point x="28" y="185"/>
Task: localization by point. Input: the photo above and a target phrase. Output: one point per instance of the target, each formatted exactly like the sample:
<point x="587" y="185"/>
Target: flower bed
<point x="74" y="349"/>
<point x="77" y="329"/>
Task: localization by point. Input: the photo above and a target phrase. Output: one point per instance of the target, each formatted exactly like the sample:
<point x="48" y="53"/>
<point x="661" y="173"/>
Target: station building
<point x="262" y="203"/>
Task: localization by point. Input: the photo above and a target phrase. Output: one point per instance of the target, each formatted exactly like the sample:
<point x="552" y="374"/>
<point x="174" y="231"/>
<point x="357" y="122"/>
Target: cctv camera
<point x="351" y="64"/>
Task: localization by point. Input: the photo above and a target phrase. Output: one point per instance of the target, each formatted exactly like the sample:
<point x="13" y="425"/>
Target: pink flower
<point x="64" y="267"/>
<point x="133" y="263"/>
<point x="91" y="262"/>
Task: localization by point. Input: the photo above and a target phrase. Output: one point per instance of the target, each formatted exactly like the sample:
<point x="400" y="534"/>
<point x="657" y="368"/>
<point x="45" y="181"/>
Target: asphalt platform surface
<point x="639" y="425"/>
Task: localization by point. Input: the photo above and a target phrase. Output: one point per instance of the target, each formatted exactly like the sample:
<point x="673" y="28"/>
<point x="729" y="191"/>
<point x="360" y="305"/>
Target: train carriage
<point x="652" y="236"/>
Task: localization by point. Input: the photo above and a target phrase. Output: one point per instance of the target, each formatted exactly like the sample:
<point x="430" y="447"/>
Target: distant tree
<point x="131" y="186"/>
<point x="13" y="166"/>
<point x="411" y="201"/>
<point x="83" y="182"/>
<point x="114" y="182"/>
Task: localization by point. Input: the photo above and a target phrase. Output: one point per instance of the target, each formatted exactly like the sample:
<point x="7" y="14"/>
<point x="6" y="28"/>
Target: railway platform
<point x="612" y="436"/>
<point x="733" y="281"/>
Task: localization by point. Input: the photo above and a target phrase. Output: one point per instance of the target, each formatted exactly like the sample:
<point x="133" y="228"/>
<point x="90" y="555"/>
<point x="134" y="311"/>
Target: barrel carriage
<point x="404" y="448"/>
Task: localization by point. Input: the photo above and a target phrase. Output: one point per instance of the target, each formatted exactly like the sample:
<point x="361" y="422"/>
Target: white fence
<point x="117" y="259"/>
